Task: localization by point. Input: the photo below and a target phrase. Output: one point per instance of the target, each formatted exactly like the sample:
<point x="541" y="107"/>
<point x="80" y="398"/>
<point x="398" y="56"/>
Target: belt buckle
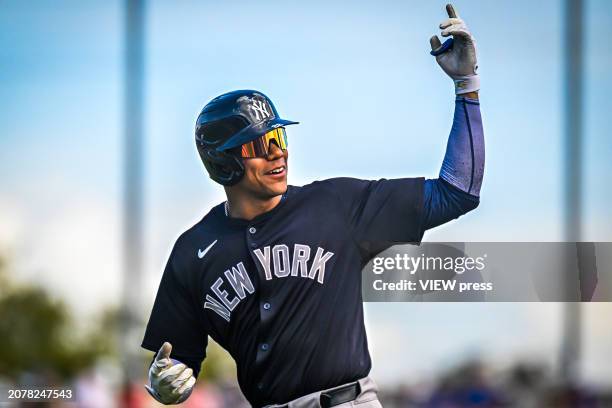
<point x="340" y="395"/>
<point x="325" y="400"/>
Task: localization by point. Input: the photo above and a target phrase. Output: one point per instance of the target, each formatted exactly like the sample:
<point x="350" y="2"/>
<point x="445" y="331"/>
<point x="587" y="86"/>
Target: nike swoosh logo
<point x="202" y="253"/>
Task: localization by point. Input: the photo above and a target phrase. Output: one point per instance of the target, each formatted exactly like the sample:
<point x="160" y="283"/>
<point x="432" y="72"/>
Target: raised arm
<point x="457" y="190"/>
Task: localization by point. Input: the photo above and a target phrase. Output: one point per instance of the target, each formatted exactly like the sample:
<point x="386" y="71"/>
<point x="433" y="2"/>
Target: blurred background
<point x="99" y="175"/>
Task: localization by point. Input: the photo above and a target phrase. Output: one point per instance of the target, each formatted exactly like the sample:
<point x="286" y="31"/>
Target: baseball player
<point x="273" y="274"/>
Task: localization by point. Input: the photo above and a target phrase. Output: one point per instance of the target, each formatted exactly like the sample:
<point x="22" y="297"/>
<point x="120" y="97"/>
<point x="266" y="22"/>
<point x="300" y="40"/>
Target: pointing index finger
<point x="451" y="11"/>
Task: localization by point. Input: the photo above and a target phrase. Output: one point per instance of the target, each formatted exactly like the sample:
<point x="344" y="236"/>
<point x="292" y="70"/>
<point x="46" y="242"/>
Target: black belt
<point x="337" y="396"/>
<point x="340" y="395"/>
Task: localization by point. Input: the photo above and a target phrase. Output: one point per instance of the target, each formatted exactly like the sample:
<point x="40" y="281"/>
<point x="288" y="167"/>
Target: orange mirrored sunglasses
<point x="261" y="146"/>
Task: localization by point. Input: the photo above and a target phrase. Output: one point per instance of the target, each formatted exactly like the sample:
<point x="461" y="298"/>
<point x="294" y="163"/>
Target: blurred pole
<point x="572" y="87"/>
<point x="129" y="341"/>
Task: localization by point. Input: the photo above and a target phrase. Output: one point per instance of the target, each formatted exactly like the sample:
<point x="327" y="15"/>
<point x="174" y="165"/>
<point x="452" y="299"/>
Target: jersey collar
<point x="240" y="222"/>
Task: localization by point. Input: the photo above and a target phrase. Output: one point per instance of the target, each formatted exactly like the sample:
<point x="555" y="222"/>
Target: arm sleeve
<point x="463" y="165"/>
<point x="174" y="319"/>
<point x="382" y="212"/>
<point x="457" y="191"/>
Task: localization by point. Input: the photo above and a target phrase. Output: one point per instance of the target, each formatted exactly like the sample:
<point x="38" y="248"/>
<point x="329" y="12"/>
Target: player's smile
<point x="278" y="173"/>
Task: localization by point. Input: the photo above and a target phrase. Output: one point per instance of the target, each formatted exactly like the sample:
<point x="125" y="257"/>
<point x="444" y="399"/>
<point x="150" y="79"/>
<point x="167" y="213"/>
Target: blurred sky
<point x="350" y="72"/>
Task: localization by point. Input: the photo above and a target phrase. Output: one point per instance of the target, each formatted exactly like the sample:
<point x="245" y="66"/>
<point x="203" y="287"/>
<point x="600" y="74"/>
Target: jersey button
<point x="267" y="306"/>
<point x="265" y="347"/>
<point x="253" y="244"/>
<point x="260" y="386"/>
<point x="252" y="230"/>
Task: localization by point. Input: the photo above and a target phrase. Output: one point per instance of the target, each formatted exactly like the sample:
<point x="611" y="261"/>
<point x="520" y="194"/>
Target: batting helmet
<point x="226" y="123"/>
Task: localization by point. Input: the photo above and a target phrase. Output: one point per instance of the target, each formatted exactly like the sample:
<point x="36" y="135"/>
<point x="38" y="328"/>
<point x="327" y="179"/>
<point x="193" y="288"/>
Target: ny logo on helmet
<point x="260" y="109"/>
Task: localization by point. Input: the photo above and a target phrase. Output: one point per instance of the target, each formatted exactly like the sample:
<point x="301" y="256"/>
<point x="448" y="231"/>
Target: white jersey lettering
<point x="318" y="265"/>
<point x="239" y="279"/>
<point x="212" y="304"/>
<point x="264" y="259"/>
<point x="222" y="294"/>
<point x="301" y="255"/>
<point x="282" y="264"/>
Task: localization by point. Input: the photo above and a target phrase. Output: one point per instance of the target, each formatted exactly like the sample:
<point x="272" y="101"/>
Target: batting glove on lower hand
<point x="457" y="56"/>
<point x="170" y="381"/>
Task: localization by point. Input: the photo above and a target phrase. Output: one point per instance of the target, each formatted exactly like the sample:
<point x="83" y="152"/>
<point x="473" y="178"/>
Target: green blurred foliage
<point x="218" y="365"/>
<point x="38" y="334"/>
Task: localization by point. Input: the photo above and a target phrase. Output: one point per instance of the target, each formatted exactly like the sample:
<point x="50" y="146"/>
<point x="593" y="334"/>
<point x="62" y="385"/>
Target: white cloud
<point x="12" y="221"/>
<point x="64" y="241"/>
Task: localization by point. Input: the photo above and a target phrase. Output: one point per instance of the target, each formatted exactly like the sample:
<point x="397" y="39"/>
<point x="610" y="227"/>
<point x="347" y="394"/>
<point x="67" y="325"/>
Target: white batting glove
<point x="170" y="381"/>
<point x="457" y="56"/>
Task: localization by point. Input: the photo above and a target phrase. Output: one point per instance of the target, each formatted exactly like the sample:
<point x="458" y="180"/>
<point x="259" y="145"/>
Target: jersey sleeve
<point x="445" y="202"/>
<point x="174" y="317"/>
<point x="382" y="212"/>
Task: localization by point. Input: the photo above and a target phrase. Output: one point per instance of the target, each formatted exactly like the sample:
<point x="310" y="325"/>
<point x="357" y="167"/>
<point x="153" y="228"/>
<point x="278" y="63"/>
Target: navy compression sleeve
<point x="463" y="164"/>
<point x="457" y="190"/>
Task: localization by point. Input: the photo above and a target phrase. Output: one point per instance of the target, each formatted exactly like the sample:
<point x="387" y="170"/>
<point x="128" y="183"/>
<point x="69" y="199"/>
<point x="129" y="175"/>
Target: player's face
<point x="266" y="177"/>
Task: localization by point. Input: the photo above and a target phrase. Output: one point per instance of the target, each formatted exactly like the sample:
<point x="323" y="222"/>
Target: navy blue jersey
<point x="282" y="292"/>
